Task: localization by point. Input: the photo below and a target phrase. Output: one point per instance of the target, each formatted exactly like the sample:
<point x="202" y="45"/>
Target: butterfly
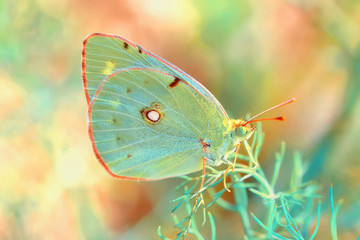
<point x="148" y="119"/>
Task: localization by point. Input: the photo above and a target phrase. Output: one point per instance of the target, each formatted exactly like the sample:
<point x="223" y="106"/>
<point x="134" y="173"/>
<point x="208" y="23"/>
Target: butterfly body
<point x="147" y="118"/>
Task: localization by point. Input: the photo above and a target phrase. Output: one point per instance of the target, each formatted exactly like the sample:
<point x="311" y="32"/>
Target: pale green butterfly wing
<point x="124" y="139"/>
<point x="104" y="54"/>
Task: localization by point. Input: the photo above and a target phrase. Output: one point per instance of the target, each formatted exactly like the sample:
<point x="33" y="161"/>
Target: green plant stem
<point x="193" y="227"/>
<point x="281" y="211"/>
<point x="261" y="179"/>
<point x="241" y="197"/>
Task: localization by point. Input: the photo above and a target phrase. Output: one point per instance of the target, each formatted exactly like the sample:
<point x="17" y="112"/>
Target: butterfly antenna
<point x="291" y="100"/>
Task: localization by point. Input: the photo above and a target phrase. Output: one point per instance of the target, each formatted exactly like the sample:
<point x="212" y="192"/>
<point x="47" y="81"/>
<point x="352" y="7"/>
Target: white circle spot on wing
<point x="153" y="116"/>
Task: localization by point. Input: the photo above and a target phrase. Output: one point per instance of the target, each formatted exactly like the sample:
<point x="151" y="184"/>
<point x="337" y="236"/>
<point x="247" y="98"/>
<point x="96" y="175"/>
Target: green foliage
<point x="293" y="213"/>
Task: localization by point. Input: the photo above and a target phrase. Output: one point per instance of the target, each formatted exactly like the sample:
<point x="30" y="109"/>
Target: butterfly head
<point x="243" y="129"/>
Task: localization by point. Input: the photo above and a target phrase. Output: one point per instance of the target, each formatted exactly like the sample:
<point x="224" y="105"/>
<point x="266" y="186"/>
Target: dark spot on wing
<point x="128" y="90"/>
<point x="115" y="121"/>
<point x="129" y="156"/>
<point x="126" y="45"/>
<point x="174" y="83"/>
<point x="140" y="51"/>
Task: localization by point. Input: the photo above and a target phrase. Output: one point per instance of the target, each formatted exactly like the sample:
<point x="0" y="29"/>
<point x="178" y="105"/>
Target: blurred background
<point x="250" y="54"/>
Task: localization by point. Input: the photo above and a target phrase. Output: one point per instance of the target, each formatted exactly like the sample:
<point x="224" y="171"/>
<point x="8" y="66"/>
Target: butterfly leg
<point x="236" y="154"/>
<point x="225" y="173"/>
<point x="197" y="202"/>
<point x="202" y="180"/>
<point x="203" y="173"/>
<point x="231" y="166"/>
<point x="253" y="161"/>
<point x="248" y="150"/>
